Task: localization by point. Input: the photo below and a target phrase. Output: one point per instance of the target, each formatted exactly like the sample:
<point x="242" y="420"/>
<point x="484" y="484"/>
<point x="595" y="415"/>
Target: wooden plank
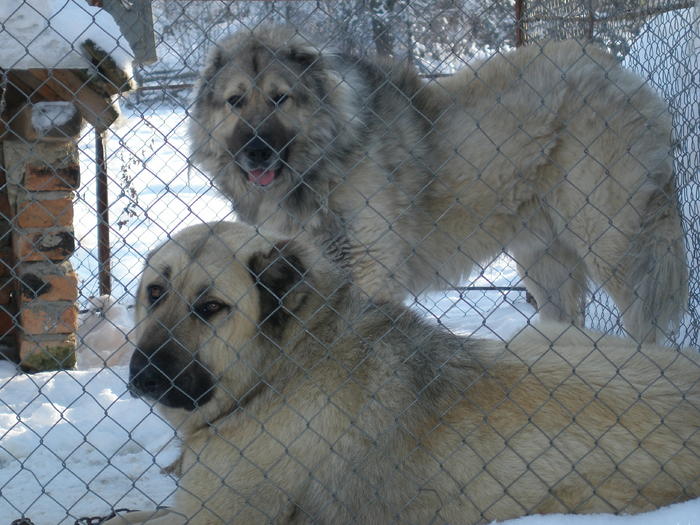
<point x="19" y="91"/>
<point x="33" y="86"/>
<point x="97" y="110"/>
<point x="91" y="96"/>
<point x="45" y="77"/>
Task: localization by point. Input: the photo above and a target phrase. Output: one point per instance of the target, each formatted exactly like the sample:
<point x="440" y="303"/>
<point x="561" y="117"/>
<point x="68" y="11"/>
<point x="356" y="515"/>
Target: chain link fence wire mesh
<point x="74" y="240"/>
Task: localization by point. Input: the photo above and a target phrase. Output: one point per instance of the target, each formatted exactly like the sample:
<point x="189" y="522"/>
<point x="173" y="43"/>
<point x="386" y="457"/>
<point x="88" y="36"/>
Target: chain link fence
<point x="102" y="164"/>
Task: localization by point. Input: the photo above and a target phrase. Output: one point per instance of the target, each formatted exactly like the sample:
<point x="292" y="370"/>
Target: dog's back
<point x="595" y="194"/>
<point x="557" y="420"/>
<point x="415" y="422"/>
<point x="593" y="423"/>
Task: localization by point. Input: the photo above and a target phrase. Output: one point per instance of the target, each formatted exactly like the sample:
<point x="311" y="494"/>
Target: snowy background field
<point x="74" y="443"/>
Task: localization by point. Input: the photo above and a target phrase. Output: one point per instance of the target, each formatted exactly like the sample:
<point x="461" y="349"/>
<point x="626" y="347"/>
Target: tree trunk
<point x="380" y="11"/>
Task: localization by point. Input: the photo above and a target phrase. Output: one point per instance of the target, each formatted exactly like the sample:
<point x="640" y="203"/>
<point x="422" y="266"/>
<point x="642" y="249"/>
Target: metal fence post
<point x="103" y="252"/>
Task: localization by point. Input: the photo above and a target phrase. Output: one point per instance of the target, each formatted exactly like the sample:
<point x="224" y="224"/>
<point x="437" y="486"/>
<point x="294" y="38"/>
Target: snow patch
<point x="103" y="334"/>
<point x="687" y="513"/>
<point x="75" y="443"/>
<point x="46" y="115"/>
<point x="49" y="34"/>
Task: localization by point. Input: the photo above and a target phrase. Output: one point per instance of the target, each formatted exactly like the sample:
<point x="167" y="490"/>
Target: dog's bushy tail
<point x="659" y="273"/>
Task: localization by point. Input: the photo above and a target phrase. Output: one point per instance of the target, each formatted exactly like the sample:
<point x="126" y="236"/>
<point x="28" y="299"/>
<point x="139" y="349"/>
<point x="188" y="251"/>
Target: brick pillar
<point x="8" y="306"/>
<point x="44" y="177"/>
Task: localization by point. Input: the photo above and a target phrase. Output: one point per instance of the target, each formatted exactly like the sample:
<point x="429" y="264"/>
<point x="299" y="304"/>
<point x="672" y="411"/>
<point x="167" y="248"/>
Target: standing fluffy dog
<point x="553" y="152"/>
<point x="301" y="402"/>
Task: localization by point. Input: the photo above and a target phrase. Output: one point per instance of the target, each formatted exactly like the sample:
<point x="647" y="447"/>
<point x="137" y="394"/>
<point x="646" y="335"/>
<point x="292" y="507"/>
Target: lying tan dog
<point x="300" y="403"/>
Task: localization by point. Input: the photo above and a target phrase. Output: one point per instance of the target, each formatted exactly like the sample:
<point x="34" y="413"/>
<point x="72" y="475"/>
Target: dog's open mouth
<point x="262" y="177"/>
<point x="260" y="163"/>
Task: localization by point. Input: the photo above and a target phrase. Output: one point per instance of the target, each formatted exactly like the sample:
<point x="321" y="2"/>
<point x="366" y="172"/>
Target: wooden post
<point x="519" y="31"/>
<point x="590" y="26"/>
<point x="103" y="252"/>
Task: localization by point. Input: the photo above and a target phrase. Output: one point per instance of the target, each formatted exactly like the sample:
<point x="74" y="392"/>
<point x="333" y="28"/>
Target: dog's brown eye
<point x="280" y="99"/>
<point x="154" y="293"/>
<point x="208" y="309"/>
<point x="235" y="101"/>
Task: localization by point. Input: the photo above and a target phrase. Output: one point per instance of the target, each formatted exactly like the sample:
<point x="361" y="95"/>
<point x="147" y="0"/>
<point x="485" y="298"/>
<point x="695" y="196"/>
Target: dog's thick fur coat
<point x="300" y="402"/>
<point x="555" y="153"/>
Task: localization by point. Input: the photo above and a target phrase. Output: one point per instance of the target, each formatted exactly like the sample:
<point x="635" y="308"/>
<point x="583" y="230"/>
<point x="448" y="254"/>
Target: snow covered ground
<point x="75" y="444"/>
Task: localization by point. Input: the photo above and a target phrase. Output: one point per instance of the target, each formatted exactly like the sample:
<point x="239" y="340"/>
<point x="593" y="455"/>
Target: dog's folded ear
<point x="279" y="276"/>
<point x="303" y="53"/>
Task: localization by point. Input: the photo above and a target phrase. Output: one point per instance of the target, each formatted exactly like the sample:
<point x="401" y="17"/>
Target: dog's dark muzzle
<point x="259" y="152"/>
<point x="262" y="158"/>
<point x="170" y="375"/>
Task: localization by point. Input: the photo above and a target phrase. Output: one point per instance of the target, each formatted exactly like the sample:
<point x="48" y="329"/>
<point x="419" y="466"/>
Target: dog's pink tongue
<point x="261" y="177"/>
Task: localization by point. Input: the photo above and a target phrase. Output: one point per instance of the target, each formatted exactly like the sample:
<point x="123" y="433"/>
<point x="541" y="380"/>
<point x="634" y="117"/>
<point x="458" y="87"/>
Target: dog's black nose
<point x="146" y="379"/>
<point x="169" y="374"/>
<point x="150" y="381"/>
<point x="258" y="151"/>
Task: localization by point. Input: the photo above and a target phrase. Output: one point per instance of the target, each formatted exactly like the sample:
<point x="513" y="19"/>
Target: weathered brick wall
<point x="8" y="307"/>
<point x="43" y="177"/>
